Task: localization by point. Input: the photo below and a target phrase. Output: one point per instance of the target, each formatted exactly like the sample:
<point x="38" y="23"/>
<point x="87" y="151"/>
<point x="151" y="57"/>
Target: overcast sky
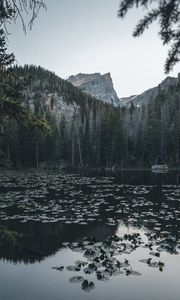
<point x="85" y="36"/>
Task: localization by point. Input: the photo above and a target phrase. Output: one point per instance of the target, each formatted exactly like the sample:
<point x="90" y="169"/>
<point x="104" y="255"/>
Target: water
<point x="123" y="229"/>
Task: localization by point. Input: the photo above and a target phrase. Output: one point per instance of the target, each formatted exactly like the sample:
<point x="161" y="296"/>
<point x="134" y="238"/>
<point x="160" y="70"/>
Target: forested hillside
<point x="87" y="132"/>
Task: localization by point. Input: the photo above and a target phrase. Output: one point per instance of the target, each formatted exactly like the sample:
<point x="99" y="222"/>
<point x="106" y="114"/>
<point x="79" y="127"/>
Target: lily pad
<point x="76" y="279"/>
<point x="73" y="268"/>
<point x="88" y="286"/>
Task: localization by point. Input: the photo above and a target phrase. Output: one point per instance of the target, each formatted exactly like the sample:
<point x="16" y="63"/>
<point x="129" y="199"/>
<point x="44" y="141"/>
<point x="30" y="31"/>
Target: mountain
<point x="88" y="132"/>
<point x="149" y="95"/>
<point x="96" y="85"/>
<point x="76" y="119"/>
<point x="49" y="95"/>
<point x="101" y="87"/>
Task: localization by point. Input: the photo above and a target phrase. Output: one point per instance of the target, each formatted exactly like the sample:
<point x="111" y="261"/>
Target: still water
<point x="89" y="236"/>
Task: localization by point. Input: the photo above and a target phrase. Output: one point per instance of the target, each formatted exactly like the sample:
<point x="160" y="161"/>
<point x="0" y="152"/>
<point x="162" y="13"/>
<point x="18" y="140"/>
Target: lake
<point x="89" y="236"/>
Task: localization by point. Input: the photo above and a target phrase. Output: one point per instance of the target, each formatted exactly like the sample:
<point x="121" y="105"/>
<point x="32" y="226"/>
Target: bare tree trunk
<point x="2" y="124"/>
<point x="37" y="153"/>
<point x="72" y="158"/>
<point x="80" y="152"/>
<point x="8" y="152"/>
<point x="177" y="151"/>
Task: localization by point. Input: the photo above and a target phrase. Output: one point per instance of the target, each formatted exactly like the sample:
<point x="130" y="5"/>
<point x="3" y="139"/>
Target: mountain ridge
<point x="97" y="85"/>
<point x="150" y="94"/>
<point x="101" y="86"/>
<point x="88" y="132"/>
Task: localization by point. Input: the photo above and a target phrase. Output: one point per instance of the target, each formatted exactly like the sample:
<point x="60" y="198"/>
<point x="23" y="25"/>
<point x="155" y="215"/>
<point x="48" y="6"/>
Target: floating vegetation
<point x="76" y="279"/>
<point x="66" y="208"/>
<point x="61" y="268"/>
<point x="73" y="268"/>
<point x="103" y="258"/>
<point x="156" y="264"/>
<point x="71" y="199"/>
<point x="88" y="286"/>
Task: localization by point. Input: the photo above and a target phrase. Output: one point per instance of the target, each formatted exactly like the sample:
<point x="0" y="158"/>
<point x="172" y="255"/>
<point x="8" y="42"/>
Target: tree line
<point x="85" y="131"/>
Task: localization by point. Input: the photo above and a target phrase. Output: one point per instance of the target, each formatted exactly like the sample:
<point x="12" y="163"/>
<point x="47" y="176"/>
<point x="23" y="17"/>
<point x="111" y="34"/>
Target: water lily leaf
<point x="80" y="263"/>
<point x="73" y="268"/>
<point x="61" y="268"/>
<point x="135" y="273"/>
<point x="76" y="279"/>
<point x="157" y="254"/>
<point x="88" y="286"/>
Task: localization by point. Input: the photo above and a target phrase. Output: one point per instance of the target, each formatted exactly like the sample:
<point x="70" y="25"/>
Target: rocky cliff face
<point x="96" y="85"/>
<point x="149" y="95"/>
<point x="101" y="87"/>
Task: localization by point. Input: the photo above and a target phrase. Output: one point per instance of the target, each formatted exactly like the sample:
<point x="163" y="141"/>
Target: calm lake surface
<point x="95" y="236"/>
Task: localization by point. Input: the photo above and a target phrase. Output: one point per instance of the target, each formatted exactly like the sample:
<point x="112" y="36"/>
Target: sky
<point x="86" y="36"/>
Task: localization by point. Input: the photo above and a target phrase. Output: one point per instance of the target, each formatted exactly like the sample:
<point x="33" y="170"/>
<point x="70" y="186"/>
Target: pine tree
<point x="168" y="14"/>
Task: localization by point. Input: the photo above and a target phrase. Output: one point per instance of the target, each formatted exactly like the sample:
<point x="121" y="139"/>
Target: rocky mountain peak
<point x="168" y="81"/>
<point x="96" y="85"/>
<point x="150" y="94"/>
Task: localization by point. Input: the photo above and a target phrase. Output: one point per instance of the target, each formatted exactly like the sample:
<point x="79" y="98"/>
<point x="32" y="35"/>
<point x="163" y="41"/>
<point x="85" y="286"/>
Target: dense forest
<point x="84" y="131"/>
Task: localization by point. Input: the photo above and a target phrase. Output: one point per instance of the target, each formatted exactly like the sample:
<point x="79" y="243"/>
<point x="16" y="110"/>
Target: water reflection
<point x="39" y="240"/>
<point x="49" y="209"/>
<point x="86" y="230"/>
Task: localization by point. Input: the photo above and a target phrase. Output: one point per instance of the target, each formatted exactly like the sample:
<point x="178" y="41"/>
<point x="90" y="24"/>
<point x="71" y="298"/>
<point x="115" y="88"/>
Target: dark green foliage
<point x="8" y="238"/>
<point x="91" y="133"/>
<point x="168" y="14"/>
<point x="11" y="10"/>
<point x="6" y="60"/>
<point x="16" y="120"/>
